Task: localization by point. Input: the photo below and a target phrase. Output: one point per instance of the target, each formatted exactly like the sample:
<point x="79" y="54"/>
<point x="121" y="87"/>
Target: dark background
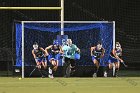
<point x="124" y="12"/>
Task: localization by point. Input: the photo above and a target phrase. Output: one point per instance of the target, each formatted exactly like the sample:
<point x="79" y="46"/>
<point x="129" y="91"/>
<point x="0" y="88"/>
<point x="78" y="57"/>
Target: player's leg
<point x="38" y="63"/>
<point x="56" y="62"/>
<point x="50" y="72"/>
<point x="105" y="71"/>
<point x="44" y="63"/>
<point x="51" y="59"/>
<point x="117" y="66"/>
<point x="96" y="67"/>
<point x="36" y="67"/>
<point x="113" y="65"/>
<point x="110" y="67"/>
<point x="73" y="65"/>
<point x="50" y="68"/>
<point x="55" y="65"/>
<point x="66" y="68"/>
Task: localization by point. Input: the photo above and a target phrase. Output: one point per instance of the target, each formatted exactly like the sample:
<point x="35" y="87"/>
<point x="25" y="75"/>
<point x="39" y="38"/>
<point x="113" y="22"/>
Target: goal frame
<point x="62" y="32"/>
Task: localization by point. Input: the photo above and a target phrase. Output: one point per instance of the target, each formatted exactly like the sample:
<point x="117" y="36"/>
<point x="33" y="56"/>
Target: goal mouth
<point x="84" y="34"/>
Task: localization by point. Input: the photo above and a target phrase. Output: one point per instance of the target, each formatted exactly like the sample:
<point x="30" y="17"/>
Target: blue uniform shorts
<point x="112" y="60"/>
<point x="40" y="59"/>
<point x="98" y="59"/>
<point x="54" y="56"/>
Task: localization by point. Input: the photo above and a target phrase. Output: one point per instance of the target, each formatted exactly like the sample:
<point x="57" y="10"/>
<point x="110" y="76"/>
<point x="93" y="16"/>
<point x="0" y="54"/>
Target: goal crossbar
<point x="30" y="8"/>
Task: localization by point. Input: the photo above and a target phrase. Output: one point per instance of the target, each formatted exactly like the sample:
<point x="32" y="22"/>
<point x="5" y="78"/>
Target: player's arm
<point x="49" y="47"/>
<point x="61" y="51"/>
<point x="44" y="52"/>
<point x="121" y="52"/>
<point x="33" y="54"/>
<point x="122" y="60"/>
<point x="114" y="53"/>
<point x="77" y="49"/>
<point x="91" y="50"/>
<point x="103" y="52"/>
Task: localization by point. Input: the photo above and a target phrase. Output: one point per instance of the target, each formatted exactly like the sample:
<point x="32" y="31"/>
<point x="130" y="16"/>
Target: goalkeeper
<point x="69" y="50"/>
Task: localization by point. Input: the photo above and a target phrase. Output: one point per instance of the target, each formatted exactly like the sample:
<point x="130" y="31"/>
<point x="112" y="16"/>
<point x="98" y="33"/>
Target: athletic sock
<point x="110" y="73"/>
<point x="50" y="71"/>
<point x="116" y="72"/>
<point x="95" y="69"/>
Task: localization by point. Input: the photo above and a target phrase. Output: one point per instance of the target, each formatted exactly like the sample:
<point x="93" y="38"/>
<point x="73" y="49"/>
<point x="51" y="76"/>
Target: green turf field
<point x="70" y="85"/>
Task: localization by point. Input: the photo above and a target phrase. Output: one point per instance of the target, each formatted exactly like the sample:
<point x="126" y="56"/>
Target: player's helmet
<point x="118" y="46"/>
<point x="55" y="42"/>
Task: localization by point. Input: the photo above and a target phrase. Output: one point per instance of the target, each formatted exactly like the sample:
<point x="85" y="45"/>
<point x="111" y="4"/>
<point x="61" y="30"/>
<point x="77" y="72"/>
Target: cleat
<point x="94" y="75"/>
<point x="105" y="74"/>
<point x="51" y="76"/>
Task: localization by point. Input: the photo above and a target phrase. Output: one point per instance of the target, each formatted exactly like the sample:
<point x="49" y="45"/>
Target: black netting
<point x="84" y="35"/>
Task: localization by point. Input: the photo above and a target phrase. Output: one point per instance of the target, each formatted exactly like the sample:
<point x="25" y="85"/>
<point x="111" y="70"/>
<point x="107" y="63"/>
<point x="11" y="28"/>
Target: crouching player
<point x="39" y="55"/>
<point x="53" y="57"/>
<point x="115" y="59"/>
<point x="97" y="52"/>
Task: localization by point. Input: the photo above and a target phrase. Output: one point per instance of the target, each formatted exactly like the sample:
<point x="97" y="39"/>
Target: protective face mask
<point x="35" y="46"/>
<point x="99" y="46"/>
<point x="118" y="46"/>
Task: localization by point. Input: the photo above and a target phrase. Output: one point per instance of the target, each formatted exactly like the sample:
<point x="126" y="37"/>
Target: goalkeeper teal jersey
<point x="69" y="51"/>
